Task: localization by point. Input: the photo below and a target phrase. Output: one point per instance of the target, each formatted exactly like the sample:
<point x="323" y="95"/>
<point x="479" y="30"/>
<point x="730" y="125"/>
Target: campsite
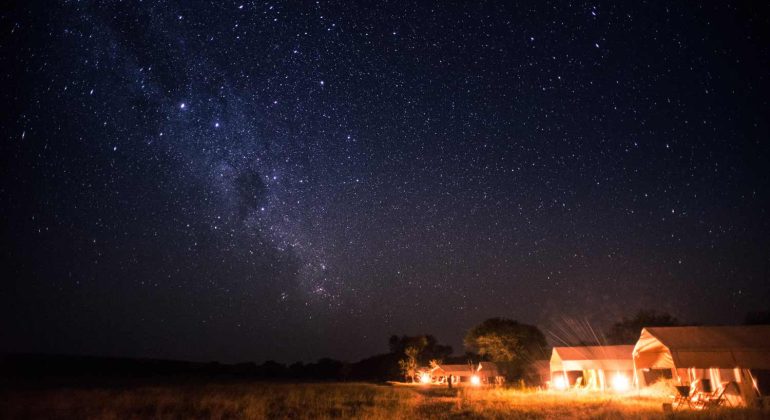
<point x="687" y="371"/>
<point x="387" y="209"/>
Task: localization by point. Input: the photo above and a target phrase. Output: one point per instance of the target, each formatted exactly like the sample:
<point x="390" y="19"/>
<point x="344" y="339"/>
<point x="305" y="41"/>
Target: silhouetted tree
<point x="628" y="330"/>
<point x="434" y="351"/>
<point x="325" y="369"/>
<point x="408" y="365"/>
<point x="271" y="369"/>
<point x="462" y="358"/>
<point x="512" y="345"/>
<point x="426" y="344"/>
<point x="381" y="367"/>
<point x="757" y="318"/>
<point x="296" y="370"/>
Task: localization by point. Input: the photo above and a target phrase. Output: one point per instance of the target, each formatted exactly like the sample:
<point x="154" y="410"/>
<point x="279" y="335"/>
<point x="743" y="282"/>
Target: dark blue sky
<point x="254" y="180"/>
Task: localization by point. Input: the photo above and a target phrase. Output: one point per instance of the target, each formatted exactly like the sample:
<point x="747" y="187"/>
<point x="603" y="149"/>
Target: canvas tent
<point x="720" y="354"/>
<point x="486" y="372"/>
<point x="593" y="364"/>
<point x="489" y="373"/>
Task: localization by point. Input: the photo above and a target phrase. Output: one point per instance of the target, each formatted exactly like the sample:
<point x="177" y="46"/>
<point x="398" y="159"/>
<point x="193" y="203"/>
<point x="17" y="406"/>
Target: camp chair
<point x="682" y="397"/>
<point x="701" y="392"/>
<point x="716" y="400"/>
<point x="710" y="400"/>
<point x="731" y="394"/>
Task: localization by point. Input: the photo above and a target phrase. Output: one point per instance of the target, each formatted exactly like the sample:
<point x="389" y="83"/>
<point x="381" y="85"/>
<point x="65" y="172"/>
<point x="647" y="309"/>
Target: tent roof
<point x="592" y="357"/>
<point x="456" y="369"/>
<point x="594" y="352"/>
<point x="704" y="347"/>
<point x="488" y="369"/>
<point x="485" y="368"/>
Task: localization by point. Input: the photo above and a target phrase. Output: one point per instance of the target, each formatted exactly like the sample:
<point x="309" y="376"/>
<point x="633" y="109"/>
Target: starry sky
<point x="290" y="180"/>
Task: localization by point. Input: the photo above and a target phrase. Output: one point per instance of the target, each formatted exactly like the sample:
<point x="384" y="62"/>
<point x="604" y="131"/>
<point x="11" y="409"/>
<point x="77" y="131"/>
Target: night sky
<point x="266" y="180"/>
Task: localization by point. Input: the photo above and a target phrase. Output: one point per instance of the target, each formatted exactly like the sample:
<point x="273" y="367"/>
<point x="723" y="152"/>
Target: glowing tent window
<point x="620" y="382"/>
<point x="560" y="382"/>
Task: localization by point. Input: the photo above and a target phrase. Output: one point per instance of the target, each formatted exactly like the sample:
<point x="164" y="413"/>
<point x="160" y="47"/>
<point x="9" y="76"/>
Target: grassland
<point x="330" y="400"/>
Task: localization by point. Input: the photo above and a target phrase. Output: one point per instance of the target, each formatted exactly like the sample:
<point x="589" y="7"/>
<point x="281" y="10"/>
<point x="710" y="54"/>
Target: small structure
<point x="720" y="355"/>
<point x="592" y="367"/>
<point x="483" y="373"/>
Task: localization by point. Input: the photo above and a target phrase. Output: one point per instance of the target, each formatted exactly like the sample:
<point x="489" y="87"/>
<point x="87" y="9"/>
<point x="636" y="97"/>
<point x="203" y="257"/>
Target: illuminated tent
<point x="720" y="354"/>
<point x="594" y="363"/>
<point x="486" y="372"/>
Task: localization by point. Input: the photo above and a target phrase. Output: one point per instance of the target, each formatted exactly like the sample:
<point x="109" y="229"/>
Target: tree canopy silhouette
<point x="427" y="347"/>
<point x="627" y="331"/>
<point x="509" y="343"/>
<point x="757" y="318"/>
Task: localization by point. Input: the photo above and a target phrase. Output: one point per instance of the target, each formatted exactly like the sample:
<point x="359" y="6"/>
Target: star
<point x="508" y="178"/>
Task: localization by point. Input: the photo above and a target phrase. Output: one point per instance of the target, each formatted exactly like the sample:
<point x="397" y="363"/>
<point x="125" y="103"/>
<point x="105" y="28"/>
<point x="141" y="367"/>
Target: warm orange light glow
<point x="425" y="378"/>
<point x="620" y="382"/>
<point x="560" y="382"/>
<point x="475" y="380"/>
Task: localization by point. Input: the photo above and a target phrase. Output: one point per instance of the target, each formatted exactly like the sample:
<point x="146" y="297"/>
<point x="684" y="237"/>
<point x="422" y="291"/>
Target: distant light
<point x="322" y="82"/>
<point x="182" y="105"/>
<point x="560" y="382"/>
<point x="216" y="125"/>
<point x="620" y="382"/>
<point x="425" y="378"/>
<point x="475" y="380"/>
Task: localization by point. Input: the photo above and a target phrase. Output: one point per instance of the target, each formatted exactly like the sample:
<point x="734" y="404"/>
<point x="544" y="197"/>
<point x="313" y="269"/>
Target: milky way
<point x="243" y="181"/>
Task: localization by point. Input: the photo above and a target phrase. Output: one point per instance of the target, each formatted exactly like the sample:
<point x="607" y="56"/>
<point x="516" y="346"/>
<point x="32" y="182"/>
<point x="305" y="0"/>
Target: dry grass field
<point x="331" y="400"/>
